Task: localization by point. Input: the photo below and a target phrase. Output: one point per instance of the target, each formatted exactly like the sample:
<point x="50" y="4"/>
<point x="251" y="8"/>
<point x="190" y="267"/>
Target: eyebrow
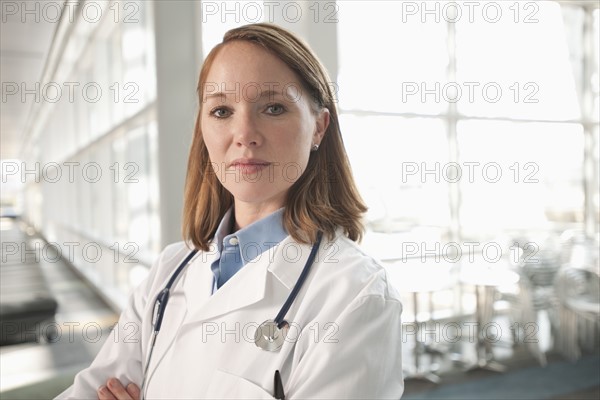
<point x="263" y="94"/>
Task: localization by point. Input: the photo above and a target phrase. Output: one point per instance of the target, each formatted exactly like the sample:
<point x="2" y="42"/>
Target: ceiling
<point x="25" y="39"/>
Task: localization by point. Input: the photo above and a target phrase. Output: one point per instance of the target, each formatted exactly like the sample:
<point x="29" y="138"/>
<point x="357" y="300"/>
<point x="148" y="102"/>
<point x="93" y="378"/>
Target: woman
<point x="267" y="177"/>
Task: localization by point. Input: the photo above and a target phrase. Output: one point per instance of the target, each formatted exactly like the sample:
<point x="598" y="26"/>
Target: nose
<point x="245" y="130"/>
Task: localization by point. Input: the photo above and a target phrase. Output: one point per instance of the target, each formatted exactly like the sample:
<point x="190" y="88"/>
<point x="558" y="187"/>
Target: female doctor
<point x="278" y="301"/>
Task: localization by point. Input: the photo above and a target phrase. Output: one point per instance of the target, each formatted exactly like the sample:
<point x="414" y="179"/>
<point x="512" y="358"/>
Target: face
<point x="258" y="124"/>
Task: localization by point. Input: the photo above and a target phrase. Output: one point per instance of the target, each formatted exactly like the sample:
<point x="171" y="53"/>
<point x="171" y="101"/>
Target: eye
<point x="220" y="112"/>
<point x="275" y="109"/>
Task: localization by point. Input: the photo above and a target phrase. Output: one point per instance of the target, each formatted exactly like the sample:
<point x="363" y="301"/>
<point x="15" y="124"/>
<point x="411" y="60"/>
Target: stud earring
<point x="315" y="147"/>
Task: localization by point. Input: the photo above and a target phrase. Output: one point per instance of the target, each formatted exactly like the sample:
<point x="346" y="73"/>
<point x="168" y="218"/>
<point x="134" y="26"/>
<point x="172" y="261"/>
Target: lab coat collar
<point x="289" y="260"/>
<point x="248" y="286"/>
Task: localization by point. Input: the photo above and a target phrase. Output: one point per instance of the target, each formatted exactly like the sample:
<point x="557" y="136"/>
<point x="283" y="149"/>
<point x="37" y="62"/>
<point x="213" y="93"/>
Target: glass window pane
<point x="218" y="18"/>
<point x="100" y="100"/>
<point x="121" y="209"/>
<point x="595" y="84"/>
<point x="84" y="198"/>
<point x="153" y="188"/>
<point x="102" y="194"/>
<point x="388" y="155"/>
<point x="380" y="58"/>
<point x="596" y="182"/>
<point x="137" y="85"/>
<point x="524" y="175"/>
<point x="516" y="57"/>
<point x="116" y="71"/>
<point x="136" y="183"/>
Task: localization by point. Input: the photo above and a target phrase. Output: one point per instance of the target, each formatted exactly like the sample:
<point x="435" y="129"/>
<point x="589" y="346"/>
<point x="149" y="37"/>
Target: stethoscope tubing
<point x="279" y="319"/>
<point x="163" y="296"/>
<point x="162" y="299"/>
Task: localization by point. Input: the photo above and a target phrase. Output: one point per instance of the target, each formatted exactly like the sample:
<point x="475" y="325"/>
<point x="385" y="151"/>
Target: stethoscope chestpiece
<point x="269" y="336"/>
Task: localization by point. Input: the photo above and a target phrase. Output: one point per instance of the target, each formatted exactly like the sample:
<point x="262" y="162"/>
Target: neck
<point x="247" y="213"/>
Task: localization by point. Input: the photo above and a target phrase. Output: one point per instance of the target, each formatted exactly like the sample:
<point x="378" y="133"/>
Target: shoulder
<point x="173" y="252"/>
<point x="167" y="262"/>
<point x="358" y="275"/>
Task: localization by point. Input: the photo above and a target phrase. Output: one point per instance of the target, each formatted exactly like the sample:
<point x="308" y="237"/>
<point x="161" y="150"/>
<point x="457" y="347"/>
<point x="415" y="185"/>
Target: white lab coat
<point x="344" y="341"/>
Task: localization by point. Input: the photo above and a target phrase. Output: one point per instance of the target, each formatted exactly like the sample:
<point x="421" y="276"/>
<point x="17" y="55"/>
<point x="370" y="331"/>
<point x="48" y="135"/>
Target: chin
<point x="255" y="194"/>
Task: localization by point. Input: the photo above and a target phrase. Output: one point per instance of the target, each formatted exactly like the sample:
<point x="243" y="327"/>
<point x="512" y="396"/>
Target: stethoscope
<point x="269" y="335"/>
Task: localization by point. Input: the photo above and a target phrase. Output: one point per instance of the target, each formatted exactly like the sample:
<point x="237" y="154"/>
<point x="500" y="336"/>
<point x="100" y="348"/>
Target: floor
<point x="82" y="320"/>
<point x="42" y="369"/>
<point x="453" y="373"/>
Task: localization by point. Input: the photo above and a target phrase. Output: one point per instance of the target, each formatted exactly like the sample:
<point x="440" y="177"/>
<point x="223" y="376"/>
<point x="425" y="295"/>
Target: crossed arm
<point x="114" y="390"/>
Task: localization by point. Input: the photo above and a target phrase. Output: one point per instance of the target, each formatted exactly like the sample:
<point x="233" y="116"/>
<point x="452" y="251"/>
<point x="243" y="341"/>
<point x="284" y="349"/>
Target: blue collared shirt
<point x="236" y="249"/>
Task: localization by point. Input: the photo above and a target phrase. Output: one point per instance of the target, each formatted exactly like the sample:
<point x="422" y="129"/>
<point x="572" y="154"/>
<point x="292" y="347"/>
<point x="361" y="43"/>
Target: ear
<point x="322" y="124"/>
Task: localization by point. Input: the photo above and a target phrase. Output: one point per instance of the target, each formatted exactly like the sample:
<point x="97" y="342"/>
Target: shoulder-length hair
<point x="325" y="196"/>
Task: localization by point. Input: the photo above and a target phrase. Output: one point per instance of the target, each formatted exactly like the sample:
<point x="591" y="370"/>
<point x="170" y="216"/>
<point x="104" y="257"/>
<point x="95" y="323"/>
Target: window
<point x="499" y="85"/>
<point x="523" y="175"/>
<point x="103" y="132"/>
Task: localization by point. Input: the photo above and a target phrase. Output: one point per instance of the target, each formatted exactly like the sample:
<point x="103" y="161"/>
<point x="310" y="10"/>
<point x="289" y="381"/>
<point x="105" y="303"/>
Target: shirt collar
<point x="224" y="228"/>
<point x="255" y="238"/>
<point x="261" y="235"/>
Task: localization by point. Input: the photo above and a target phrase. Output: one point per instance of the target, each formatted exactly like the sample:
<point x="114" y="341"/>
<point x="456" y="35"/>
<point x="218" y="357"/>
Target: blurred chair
<point x="486" y="277"/>
<point x="537" y="294"/>
<point x="578" y="250"/>
<point x="414" y="276"/>
<point x="578" y="325"/>
<point x="537" y="263"/>
<point x="524" y="312"/>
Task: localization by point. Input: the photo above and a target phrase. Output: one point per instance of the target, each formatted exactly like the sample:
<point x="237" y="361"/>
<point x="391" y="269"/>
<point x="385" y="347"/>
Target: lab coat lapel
<point x="289" y="260"/>
<point x="185" y="293"/>
<point x="174" y="316"/>
<point x="249" y="285"/>
<point x="198" y="281"/>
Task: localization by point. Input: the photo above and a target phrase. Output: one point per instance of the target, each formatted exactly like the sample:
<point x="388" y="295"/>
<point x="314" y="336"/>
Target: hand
<point x="114" y="390"/>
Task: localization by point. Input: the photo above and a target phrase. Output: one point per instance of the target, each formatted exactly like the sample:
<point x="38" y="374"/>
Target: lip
<point x="249" y="166"/>
<point x="249" y="163"/>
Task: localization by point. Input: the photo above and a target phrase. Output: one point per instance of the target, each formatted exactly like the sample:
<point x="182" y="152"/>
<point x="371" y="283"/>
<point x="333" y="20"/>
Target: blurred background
<point x="473" y="133"/>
